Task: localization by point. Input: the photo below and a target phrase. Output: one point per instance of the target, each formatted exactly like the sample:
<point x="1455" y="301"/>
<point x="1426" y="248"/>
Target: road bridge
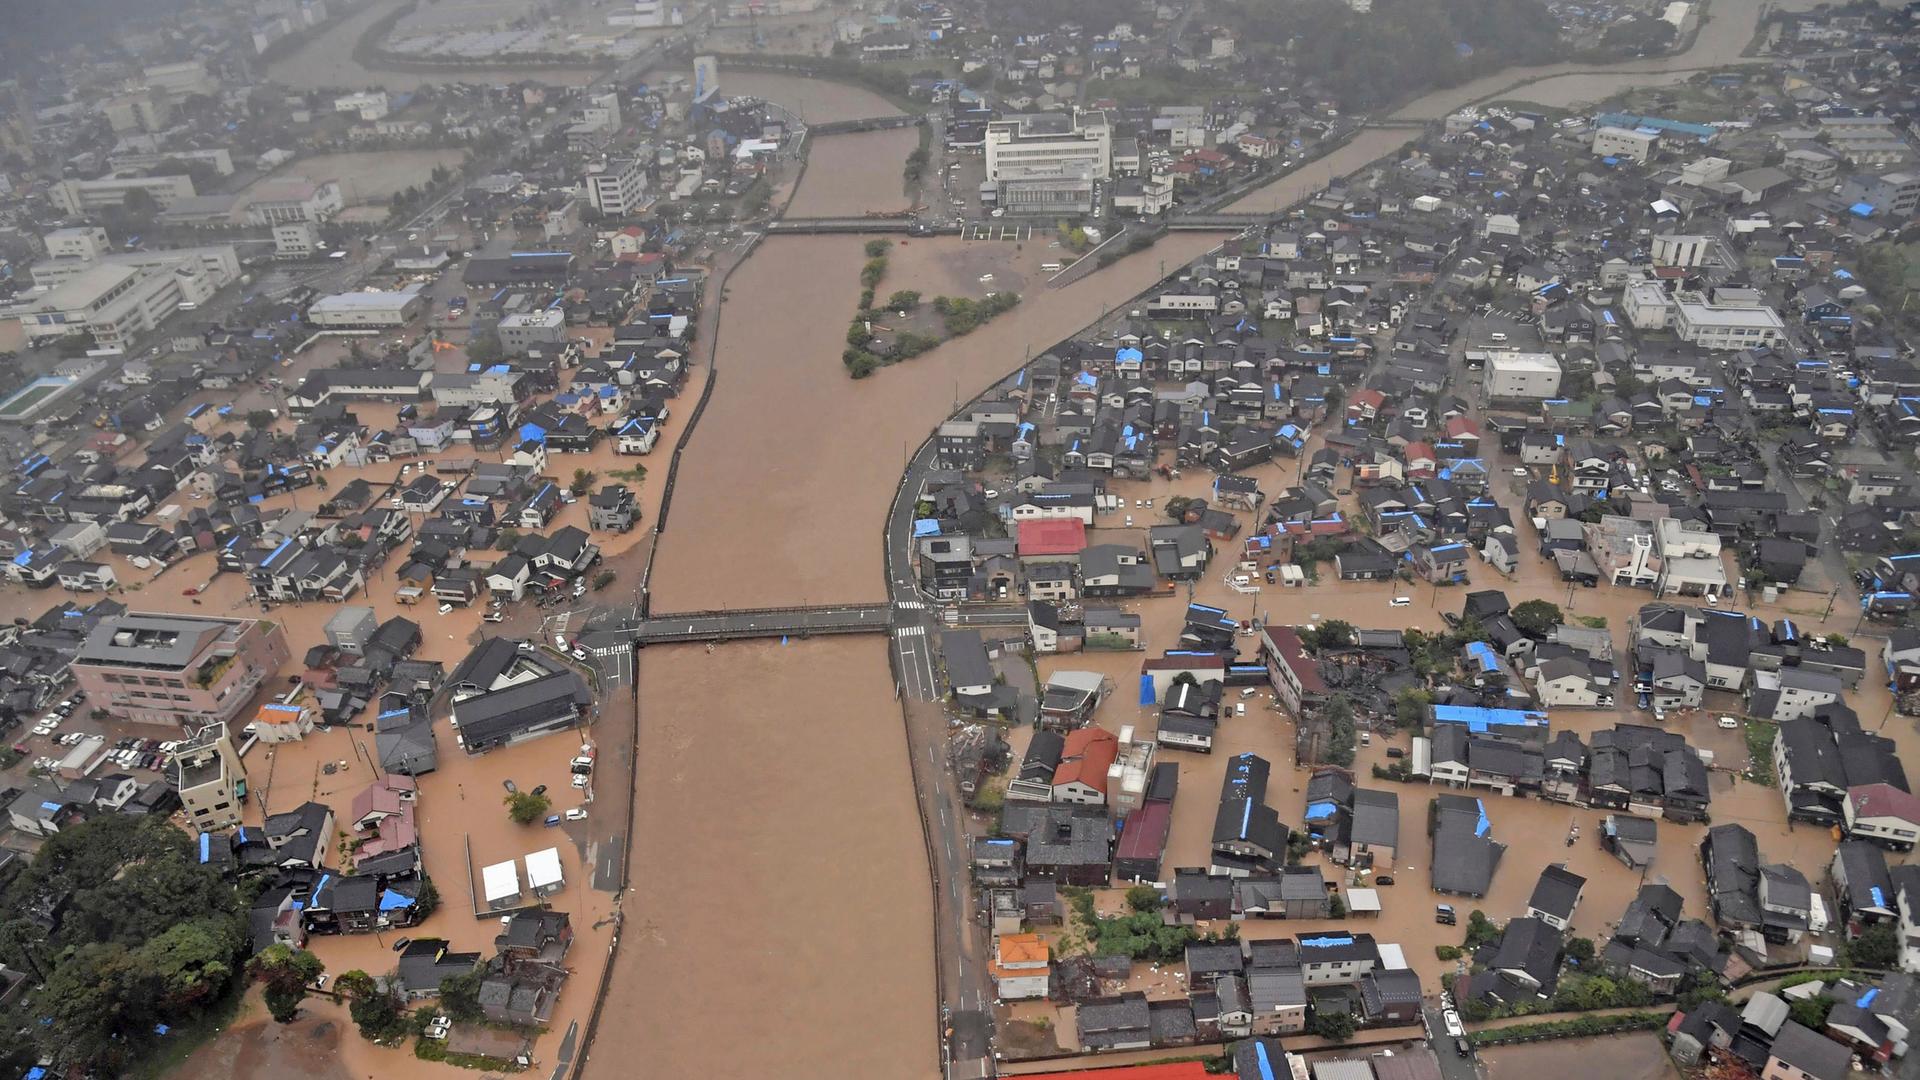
<point x="872" y="123"/>
<point x="732" y="625"/>
<point x="859" y="225"/>
<point x="1214" y="222"/>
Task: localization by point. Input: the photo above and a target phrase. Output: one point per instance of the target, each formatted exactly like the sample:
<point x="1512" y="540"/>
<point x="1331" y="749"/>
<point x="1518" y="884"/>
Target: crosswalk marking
<point x="910" y="631"/>
<point x="909" y="605"/>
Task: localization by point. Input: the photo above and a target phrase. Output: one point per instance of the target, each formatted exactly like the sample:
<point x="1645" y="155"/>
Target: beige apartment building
<point x="179" y="670"/>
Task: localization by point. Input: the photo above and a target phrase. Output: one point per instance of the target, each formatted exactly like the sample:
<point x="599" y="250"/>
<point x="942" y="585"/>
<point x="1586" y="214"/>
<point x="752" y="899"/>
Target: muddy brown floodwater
<point x="784" y="488"/>
<point x="1621" y="1057"/>
<point x="780" y="922"/>
<point x="849" y="175"/>
<point x="814" y="100"/>
<point x="326" y="61"/>
<point x="1729" y="25"/>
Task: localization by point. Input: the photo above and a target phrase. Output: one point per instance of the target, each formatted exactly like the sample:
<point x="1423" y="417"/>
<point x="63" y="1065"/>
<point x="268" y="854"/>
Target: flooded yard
<point x="369" y="178"/>
<point x="777" y="860"/>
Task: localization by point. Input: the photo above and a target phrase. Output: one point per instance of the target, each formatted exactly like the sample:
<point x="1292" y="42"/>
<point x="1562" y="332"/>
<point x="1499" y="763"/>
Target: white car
<point x="446" y="609"/>
<point x="1729" y="722"/>
<point x="1454" y="1027"/>
<point x="581" y="780"/>
<point x="1401" y="601"/>
<point x="1518" y="471"/>
<point x="577" y="814"/>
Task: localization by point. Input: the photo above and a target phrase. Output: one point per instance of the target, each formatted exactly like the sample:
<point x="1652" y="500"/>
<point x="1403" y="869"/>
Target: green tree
<point x="877" y="249"/>
<point x="1580" y="950"/>
<point x="1877" y="947"/>
<point x="260" y="419"/>
<point x="192" y="963"/>
<point x="903" y="300"/>
<point x="1143" y="898"/>
<point x="375" y="1008"/>
<point x="428" y="900"/>
<point x="284" y="973"/>
<point x="1410" y="707"/>
<point x="1332" y="634"/>
<point x="1332" y="1025"/>
<point x="1811" y="1011"/>
<point x="1536" y="617"/>
<point x="582" y="481"/>
<point x="1480" y="929"/>
<point x="140" y="204"/>
<point x="484" y="349"/>
<point x="525" y="808"/>
<point x="460" y="994"/>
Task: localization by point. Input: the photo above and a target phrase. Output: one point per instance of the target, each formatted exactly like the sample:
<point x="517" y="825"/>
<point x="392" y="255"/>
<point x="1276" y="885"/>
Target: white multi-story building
<point x="618" y="187"/>
<point x="1048" y="162"/>
<point x="220" y="262"/>
<point x="367" y="308"/>
<point x="1729" y="319"/>
<point x="294" y="198"/>
<point x="1647" y="306"/>
<point x="1522" y="375"/>
<point x="1633" y="143"/>
<point x="85" y="196"/>
<point x="296" y="240"/>
<point x="87" y="243"/>
<point x="131" y="160"/>
<point x="371" y="105"/>
<point x="112" y="303"/>
<point x="521" y="331"/>
<point x="1676" y="250"/>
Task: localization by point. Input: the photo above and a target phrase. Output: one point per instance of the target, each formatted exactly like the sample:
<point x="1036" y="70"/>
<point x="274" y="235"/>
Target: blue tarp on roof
<point x="206" y="846"/>
<point x="1326" y="941"/>
<point x="393" y="901"/>
<point x="1320" y="810"/>
<point x="1146" y="689"/>
<point x="926" y="527"/>
<point x="1483" y="826"/>
<point x="1879" y="898"/>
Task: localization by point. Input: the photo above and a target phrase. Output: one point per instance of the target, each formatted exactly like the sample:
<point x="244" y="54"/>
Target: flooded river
<point x="815" y="101"/>
<point x="785" y="486"/>
<point x="326" y="62"/>
<point x="1730" y="25"/>
<point x="780" y="920"/>
<point x="850" y="175"/>
<point x="1628" y="1057"/>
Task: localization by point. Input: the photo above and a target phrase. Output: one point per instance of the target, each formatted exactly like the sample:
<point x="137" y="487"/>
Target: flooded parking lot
<point x="369" y="178"/>
<point x="326" y="61"/>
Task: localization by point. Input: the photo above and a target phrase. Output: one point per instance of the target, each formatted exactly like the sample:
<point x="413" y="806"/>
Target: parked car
<point x="577" y="814"/>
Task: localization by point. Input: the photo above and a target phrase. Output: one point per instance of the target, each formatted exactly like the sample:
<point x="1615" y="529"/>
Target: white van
<point x="1401" y="601"/>
<point x="1729" y="722"/>
<point x="1249" y="692"/>
<point x="1497" y="337"/>
<point x="1050" y="268"/>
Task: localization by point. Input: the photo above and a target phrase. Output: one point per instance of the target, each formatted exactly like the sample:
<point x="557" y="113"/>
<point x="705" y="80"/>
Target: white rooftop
<point x="543" y="868"/>
<point x="501" y="881"/>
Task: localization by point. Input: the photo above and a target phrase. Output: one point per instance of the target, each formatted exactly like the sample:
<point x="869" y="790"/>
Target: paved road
<point x="959" y="948"/>
<point x="1453" y="1064"/>
<point x="720" y="625"/>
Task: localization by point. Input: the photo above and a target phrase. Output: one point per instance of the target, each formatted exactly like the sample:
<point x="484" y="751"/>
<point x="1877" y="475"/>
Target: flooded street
<point x="777" y="861"/>
<point x="851" y="175"/>
<point x="1638" y="1056"/>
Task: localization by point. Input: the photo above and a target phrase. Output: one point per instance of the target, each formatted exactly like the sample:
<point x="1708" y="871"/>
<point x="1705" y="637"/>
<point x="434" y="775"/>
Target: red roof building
<point x="1081" y="776"/>
<point x="1052" y="538"/>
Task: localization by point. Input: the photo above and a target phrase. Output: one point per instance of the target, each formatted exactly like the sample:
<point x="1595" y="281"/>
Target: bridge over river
<point x="730" y="625"/>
